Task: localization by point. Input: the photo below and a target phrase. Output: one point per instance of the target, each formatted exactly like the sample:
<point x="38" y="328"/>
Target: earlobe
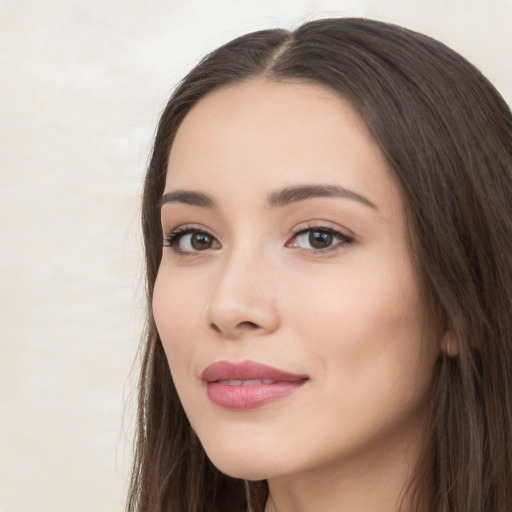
<point x="449" y="344"/>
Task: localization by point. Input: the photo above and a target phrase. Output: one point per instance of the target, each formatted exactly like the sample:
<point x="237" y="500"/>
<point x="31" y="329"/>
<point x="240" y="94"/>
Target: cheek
<point x="364" y="330"/>
<point x="354" y="303"/>
<point x="175" y="310"/>
<point x="374" y="368"/>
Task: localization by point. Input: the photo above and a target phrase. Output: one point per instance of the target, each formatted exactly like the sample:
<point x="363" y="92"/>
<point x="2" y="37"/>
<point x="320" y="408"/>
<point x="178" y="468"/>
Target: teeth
<point x="250" y="382"/>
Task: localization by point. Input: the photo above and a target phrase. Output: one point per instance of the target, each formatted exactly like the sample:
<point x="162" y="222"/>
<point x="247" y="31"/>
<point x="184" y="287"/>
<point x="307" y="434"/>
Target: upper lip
<point x="247" y="370"/>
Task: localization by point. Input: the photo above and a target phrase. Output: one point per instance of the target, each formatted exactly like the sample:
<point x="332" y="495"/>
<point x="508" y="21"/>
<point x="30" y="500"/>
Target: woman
<point x="328" y="225"/>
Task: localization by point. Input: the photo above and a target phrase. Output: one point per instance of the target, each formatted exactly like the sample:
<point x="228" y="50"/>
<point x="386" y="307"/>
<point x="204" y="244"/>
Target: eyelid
<point x="172" y="238"/>
<point x="346" y="237"/>
<point x="322" y="225"/>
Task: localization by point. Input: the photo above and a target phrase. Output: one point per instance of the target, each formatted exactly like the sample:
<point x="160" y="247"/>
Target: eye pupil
<point x="320" y="239"/>
<point x="201" y="241"/>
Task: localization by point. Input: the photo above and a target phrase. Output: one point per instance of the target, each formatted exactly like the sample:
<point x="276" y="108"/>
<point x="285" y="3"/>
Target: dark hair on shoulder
<point x="447" y="136"/>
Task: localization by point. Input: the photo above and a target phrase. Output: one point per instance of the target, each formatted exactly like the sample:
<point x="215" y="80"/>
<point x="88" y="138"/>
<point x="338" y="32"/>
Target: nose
<point x="243" y="302"/>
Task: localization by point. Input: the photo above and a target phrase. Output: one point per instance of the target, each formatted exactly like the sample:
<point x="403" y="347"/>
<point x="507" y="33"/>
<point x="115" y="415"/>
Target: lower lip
<point x="250" y="397"/>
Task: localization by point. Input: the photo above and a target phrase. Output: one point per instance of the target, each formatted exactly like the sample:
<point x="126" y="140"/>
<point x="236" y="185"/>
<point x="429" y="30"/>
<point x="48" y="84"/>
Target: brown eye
<point x="191" y="241"/>
<point x="200" y="241"/>
<point x="320" y="239"/>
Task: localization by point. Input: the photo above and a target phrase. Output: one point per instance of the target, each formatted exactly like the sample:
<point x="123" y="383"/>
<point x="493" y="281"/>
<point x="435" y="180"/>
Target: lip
<point x="248" y="385"/>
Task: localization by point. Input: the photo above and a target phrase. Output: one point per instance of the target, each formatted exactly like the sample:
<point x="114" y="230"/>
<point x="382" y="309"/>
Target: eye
<point x="190" y="240"/>
<point x="319" y="239"/>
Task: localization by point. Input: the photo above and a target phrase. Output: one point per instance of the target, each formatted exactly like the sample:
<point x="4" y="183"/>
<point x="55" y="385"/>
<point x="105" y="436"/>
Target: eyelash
<point x="344" y="239"/>
<point x="173" y="238"/>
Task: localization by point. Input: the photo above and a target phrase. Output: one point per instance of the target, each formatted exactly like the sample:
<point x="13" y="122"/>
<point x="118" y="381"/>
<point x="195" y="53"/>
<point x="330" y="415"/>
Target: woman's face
<point x="286" y="300"/>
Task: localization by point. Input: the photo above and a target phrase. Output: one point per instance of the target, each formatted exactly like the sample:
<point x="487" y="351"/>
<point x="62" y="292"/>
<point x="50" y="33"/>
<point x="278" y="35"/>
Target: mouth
<point x="249" y="382"/>
<point x="248" y="385"/>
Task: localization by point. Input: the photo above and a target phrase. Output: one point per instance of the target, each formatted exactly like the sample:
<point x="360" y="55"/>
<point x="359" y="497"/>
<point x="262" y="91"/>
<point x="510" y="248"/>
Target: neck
<point x="373" y="481"/>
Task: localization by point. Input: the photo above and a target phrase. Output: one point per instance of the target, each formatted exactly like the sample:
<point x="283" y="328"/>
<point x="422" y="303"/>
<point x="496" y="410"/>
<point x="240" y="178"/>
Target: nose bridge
<point x="243" y="299"/>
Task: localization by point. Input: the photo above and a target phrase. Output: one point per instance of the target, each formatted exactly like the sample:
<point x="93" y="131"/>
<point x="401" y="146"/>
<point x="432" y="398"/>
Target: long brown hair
<point x="447" y="136"/>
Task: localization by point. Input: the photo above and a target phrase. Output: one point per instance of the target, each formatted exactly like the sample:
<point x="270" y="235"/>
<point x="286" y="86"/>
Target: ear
<point x="449" y="344"/>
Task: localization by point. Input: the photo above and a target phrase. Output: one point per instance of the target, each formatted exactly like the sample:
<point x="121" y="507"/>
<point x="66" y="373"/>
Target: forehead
<point x="261" y="134"/>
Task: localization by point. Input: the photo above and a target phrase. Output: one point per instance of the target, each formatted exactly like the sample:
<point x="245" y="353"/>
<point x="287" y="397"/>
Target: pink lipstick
<point x="248" y="385"/>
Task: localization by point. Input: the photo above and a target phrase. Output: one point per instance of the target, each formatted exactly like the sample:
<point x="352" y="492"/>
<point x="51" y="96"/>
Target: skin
<point x="349" y="317"/>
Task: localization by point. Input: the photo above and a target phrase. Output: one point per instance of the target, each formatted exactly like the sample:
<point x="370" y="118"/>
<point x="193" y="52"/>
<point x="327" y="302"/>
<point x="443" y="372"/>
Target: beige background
<point x="82" y="83"/>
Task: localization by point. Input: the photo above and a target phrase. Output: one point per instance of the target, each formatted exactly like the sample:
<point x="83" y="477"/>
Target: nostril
<point x="215" y="328"/>
<point x="242" y="326"/>
<point x="247" y="325"/>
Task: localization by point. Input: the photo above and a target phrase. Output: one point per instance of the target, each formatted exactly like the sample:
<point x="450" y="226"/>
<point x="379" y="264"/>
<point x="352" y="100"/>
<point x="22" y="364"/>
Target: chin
<point x="244" y="464"/>
<point x="244" y="473"/>
<point x="244" y="469"/>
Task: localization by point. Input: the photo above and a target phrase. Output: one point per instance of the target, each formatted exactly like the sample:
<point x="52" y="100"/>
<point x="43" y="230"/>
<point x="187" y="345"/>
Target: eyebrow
<point x="275" y="199"/>
<point x="187" y="197"/>
<point x="302" y="192"/>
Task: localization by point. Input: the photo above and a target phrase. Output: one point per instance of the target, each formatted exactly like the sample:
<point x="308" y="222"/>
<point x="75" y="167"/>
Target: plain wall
<point x="82" y="84"/>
